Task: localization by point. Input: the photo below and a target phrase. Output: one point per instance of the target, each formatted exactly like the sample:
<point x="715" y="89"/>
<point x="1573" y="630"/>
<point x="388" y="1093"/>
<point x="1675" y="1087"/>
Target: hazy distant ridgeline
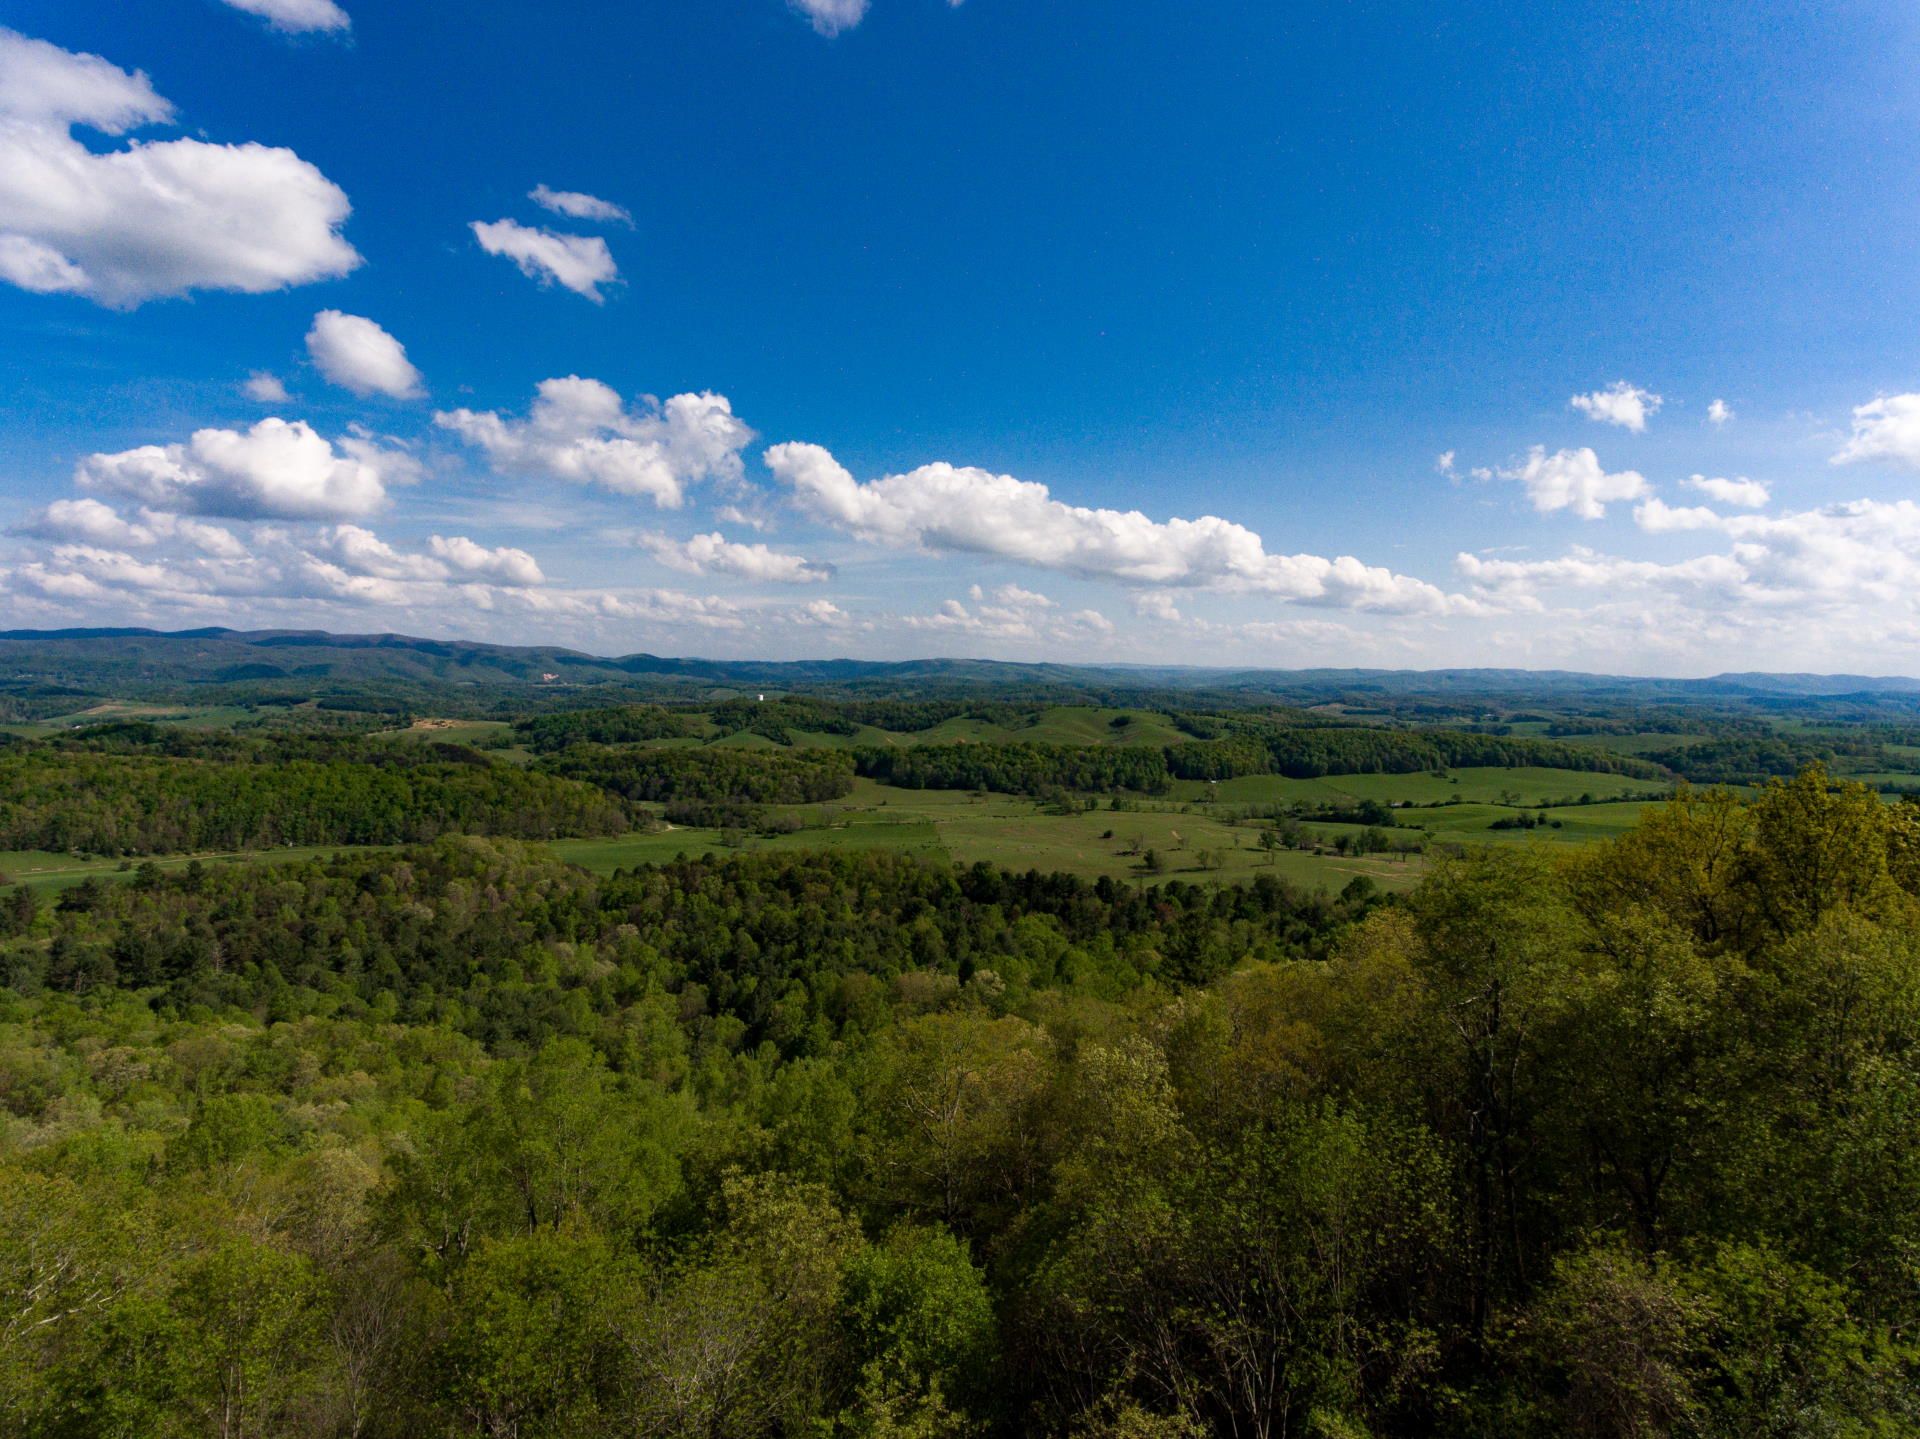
<point x="55" y="672"/>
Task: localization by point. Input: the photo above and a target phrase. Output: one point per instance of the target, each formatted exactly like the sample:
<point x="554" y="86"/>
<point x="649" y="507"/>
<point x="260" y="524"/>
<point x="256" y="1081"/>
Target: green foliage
<point x="772" y="719"/>
<point x="1254" y="747"/>
<point x="529" y="1348"/>
<point x="116" y="804"/>
<point x="627" y="724"/>
<point x="463" y="1141"/>
<point x="1019" y="768"/>
<point x="1754" y="759"/>
<point x="921" y="1314"/>
<point x="708" y="776"/>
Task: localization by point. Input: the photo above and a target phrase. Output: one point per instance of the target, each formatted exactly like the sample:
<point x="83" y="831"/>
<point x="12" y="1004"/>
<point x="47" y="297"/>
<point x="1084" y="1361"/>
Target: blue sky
<point x="1077" y="331"/>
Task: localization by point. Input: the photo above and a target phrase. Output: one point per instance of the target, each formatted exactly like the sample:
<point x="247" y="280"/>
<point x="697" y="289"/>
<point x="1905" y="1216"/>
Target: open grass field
<point x="1473" y="823"/>
<point x="1081" y="724"/>
<point x="1647" y="743"/>
<point x="1016" y="834"/>
<point x="1191" y="846"/>
<point x="603" y="856"/>
<point x="1197" y="844"/>
<point x="744" y="739"/>
<point x="39" y="869"/>
<point x="1469" y="785"/>
<point x="1883" y="779"/>
<point x="862" y="737"/>
<point x="1020" y="834"/>
<point x="199" y="717"/>
<point x="453" y="731"/>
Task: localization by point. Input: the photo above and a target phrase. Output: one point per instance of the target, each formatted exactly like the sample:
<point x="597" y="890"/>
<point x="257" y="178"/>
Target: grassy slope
<point x="198" y="717"/>
<point x="42" y="870"/>
<point x="1016" y="834"/>
<point x="1476" y="785"/>
<point x="1473" y="823"/>
<point x="1633" y="743"/>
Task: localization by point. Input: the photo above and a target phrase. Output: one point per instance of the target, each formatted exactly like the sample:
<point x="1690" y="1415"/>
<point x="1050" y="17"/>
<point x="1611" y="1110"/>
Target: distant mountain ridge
<point x="129" y="660"/>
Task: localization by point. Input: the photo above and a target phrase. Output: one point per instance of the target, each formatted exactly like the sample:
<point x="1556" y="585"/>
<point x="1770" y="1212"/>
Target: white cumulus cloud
<point x="296" y="17"/>
<point x="941" y="507"/>
<point x="362" y="552"/>
<point x="358" y="355"/>
<point x="279" y="469"/>
<point x="82" y="521"/>
<point x="1622" y="404"/>
<point x="579" y="430"/>
<point x="1719" y="412"/>
<point x="1656" y="517"/>
<point x="715" y="554"/>
<point x="578" y="206"/>
<point x="1857" y="562"/>
<point x="472" y="560"/>
<point x="1885" y="429"/>
<point x="1574" y="480"/>
<point x="830" y="17"/>
<point x="1747" y="494"/>
<point x="196" y="535"/>
<point x="582" y="263"/>
<point x="1012" y="613"/>
<point x="265" y="389"/>
<point x="155" y="218"/>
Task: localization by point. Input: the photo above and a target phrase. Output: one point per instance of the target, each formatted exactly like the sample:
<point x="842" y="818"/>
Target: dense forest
<point x="1743" y="759"/>
<point x="625" y="724"/>
<point x="464" y="1141"/>
<point x="744" y="775"/>
<point x="114" y="804"/>
<point x="1028" y="768"/>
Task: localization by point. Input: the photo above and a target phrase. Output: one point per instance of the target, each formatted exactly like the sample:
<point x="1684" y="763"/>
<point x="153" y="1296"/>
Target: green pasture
<point x="742" y="739"/>
<point x="863" y="736"/>
<point x="1085" y="724"/>
<point x="449" y="731"/>
<point x="1646" y="743"/>
<point x="1473" y="823"/>
<point x="195" y="716"/>
<point x="1483" y="785"/>
<point x="1020" y="834"/>
<point x="603" y="856"/>
<point x="1883" y="779"/>
<point x="42" y="869"/>
<point x="1004" y="830"/>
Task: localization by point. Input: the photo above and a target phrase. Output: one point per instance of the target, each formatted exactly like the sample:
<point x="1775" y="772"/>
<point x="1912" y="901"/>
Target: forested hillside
<point x="465" y="1141"/>
<point x="136" y="804"/>
<point x="1291" y="752"/>
<point x="50" y="673"/>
